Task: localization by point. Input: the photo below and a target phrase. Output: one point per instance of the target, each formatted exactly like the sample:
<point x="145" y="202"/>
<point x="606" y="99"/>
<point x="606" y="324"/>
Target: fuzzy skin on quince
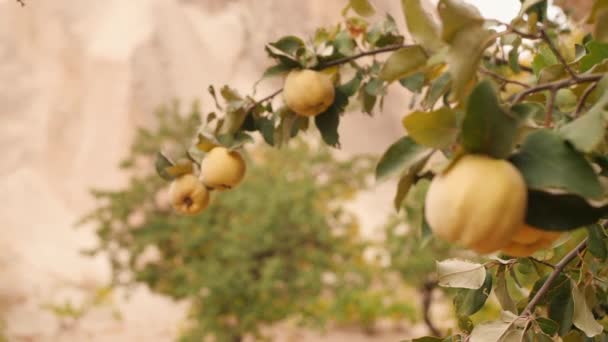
<point x="222" y="168"/>
<point x="480" y="203"/>
<point x="528" y="240"/>
<point x="188" y="195"/>
<point x="308" y="92"/>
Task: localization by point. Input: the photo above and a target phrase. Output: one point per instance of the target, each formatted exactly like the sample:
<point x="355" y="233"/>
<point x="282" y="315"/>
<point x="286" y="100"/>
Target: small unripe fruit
<point x="308" y="92"/>
<point x="188" y="195"/>
<point x="479" y="203"/>
<point x="222" y="168"/>
<point x="528" y="240"/>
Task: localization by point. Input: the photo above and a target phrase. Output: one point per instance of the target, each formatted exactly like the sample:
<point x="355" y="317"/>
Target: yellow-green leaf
<point x="363" y="7"/>
<point x="464" y="55"/>
<point x="403" y="62"/>
<point x="421" y="25"/>
<point x="455" y="16"/>
<point x="437" y="129"/>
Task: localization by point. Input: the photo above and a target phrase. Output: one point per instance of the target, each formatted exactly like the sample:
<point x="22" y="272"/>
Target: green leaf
<point x="583" y="317"/>
<point x="437" y="129"/>
<point x="206" y="141"/>
<point x="289" y="45"/>
<point x="502" y="292"/>
<point x="266" y="127"/>
<point x="400" y="156"/>
<point x="560" y="212"/>
<point x="460" y="274"/>
<point x="455" y="16"/>
<point x="414" y="205"/>
<point x="468" y="302"/>
<point x="421" y="25"/>
<point x="547" y="162"/>
<point x="407" y="180"/>
<point x="403" y="63"/>
<point x="276" y="70"/>
<point x="548" y="326"/>
<point x="414" y="83"/>
<point x="487" y="128"/>
<point x="438" y="88"/>
<point x="587" y="132"/>
<point x="363" y="7"/>
<point x="561" y="306"/>
<point x="597" y="241"/>
<point x="161" y="165"/>
<point x="464" y="55"/>
<point x="598" y="52"/>
<point x="328" y="121"/>
<point x="350" y="88"/>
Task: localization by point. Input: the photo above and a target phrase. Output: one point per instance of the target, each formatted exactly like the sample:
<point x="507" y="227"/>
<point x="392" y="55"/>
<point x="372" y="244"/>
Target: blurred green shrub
<point x="279" y="246"/>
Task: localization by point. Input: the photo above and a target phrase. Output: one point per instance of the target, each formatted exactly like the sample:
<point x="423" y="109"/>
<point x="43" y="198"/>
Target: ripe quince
<point x="222" y="168"/>
<point x="308" y="92"/>
<point x="479" y="203"/>
<point x="188" y="195"/>
<point x="528" y="240"/>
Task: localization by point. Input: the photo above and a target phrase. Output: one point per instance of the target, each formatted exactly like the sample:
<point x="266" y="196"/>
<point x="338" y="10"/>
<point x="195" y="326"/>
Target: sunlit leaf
<point x="437" y="129"/>
<point x="583" y="317"/>
<point x="460" y="274"/>
<point x="403" y="62"/>
<point x="421" y="25"/>
<point x="162" y="164"/>
<point x="455" y="16"/>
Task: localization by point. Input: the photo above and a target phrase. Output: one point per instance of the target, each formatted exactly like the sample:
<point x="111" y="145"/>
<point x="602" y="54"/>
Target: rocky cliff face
<point x="77" y="77"/>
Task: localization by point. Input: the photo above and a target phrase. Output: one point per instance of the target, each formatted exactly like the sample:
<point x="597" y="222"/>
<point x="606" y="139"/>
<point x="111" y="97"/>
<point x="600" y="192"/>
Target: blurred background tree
<point x="282" y="246"/>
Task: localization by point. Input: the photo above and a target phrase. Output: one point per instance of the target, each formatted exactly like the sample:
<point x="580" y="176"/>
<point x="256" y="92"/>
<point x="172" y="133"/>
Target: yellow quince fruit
<point x="308" y="92"/>
<point x="479" y="203"/>
<point x="222" y="168"/>
<point x="188" y="195"/>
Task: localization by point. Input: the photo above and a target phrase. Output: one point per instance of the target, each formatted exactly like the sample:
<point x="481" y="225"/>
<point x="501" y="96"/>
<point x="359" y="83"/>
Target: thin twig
<point x="557" y="85"/>
<point x="362" y="54"/>
<point x="427" y="298"/>
<point x="550" y="105"/>
<point x="554" y="274"/>
<point x="542" y="262"/>
<point x="502" y="78"/>
<point x="557" y="54"/>
<point x="583" y="99"/>
<point x="21" y="2"/>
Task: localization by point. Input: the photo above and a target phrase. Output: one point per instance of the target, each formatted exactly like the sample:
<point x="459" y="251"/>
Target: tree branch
<point x="556" y="271"/>
<point x="362" y="54"/>
<point x="502" y="78"/>
<point x="557" y="85"/>
<point x="427" y="297"/>
<point x="550" y="105"/>
<point x="21" y="2"/>
<point x="338" y="61"/>
<point x="557" y="54"/>
<point x="583" y="99"/>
